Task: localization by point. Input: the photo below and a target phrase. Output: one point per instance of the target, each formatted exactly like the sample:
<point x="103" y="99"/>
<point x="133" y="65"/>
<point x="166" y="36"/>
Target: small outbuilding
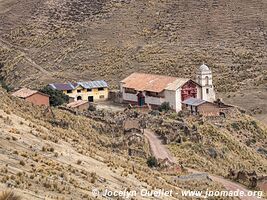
<point x="79" y="105"/>
<point x="201" y="107"/>
<point x="33" y="96"/>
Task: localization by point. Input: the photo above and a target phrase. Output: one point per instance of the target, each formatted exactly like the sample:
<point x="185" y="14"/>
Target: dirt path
<point x="161" y="152"/>
<point x="157" y="148"/>
<point x="229" y="185"/>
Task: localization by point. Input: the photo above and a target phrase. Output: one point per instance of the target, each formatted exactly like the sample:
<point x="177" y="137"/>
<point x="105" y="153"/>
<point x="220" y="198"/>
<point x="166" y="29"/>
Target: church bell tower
<point x="204" y="79"/>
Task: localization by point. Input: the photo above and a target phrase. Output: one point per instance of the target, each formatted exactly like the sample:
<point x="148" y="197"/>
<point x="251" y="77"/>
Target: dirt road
<point x="157" y="148"/>
<point x="161" y="152"/>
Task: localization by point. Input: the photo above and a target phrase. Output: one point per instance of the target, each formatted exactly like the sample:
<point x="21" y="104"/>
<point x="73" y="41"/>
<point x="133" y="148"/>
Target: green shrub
<point x="5" y="86"/>
<point x="165" y="106"/>
<point x="235" y="126"/>
<point x="91" y="107"/>
<point x="152" y="161"/>
<point x="2" y="81"/>
<point x="57" y="97"/>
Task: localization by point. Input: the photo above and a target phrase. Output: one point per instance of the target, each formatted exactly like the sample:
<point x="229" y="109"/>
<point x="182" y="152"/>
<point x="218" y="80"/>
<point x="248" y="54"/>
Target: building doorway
<point x="79" y="98"/>
<point x="141" y="99"/>
<point x="91" y="99"/>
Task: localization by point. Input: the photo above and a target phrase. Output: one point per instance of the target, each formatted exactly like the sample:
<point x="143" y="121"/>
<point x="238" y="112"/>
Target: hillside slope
<point x="66" y="156"/>
<point x="109" y="39"/>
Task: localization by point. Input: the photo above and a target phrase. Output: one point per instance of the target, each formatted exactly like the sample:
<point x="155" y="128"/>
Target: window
<point x="91" y="98"/>
<point x="207" y="80"/>
<point x="101" y="97"/>
<point x="207" y="91"/>
<point x="89" y="90"/>
<point x="69" y="91"/>
<point x="100" y="89"/>
<point x="79" y="91"/>
<point x="154" y="94"/>
<point x="79" y="98"/>
<point x="130" y="91"/>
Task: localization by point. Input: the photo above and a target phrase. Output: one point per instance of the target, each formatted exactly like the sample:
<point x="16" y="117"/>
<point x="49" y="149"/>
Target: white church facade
<point x="150" y="89"/>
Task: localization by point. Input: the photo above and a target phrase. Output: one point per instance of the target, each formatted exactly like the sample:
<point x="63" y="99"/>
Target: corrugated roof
<point x="25" y="92"/>
<point x="193" y="101"/>
<point x="86" y="85"/>
<point x="93" y="84"/>
<point x="76" y="104"/>
<point x="63" y="86"/>
<point x="148" y="82"/>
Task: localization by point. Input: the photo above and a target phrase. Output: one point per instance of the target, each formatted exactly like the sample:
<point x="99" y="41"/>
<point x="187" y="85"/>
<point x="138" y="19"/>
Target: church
<point x="149" y="89"/>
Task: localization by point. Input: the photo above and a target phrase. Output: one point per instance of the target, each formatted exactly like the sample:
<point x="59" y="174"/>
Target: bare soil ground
<point x="110" y="106"/>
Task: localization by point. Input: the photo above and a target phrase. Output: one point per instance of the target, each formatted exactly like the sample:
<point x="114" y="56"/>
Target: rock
<point x="187" y="130"/>
<point x="154" y="112"/>
<point x="194" y="177"/>
<point x="212" y="152"/>
<point x="262" y="151"/>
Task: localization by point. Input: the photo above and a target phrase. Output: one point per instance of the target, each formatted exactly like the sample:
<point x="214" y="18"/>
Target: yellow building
<point x="88" y="91"/>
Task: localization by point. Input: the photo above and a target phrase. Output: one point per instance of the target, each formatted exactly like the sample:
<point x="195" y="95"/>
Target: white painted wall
<point x="208" y="96"/>
<point x="148" y="99"/>
<point x="178" y="100"/>
<point x="170" y="96"/>
<point x="129" y="97"/>
<point x="199" y="92"/>
<point x="154" y="100"/>
<point x="201" y="79"/>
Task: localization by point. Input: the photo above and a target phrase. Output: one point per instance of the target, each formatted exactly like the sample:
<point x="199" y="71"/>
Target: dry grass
<point x="152" y="37"/>
<point x="9" y="195"/>
<point x="78" y="161"/>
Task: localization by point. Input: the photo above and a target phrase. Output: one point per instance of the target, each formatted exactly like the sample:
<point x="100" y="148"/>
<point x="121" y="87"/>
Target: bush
<point x="57" y="97"/>
<point x="21" y="162"/>
<point x="2" y="81"/>
<point x="235" y="126"/>
<point x="152" y="162"/>
<point x="91" y="107"/>
<point x="165" y="106"/>
<point x="5" y="86"/>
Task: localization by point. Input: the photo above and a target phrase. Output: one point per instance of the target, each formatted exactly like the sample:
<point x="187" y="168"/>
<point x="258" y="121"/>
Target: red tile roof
<point x="148" y="82"/>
